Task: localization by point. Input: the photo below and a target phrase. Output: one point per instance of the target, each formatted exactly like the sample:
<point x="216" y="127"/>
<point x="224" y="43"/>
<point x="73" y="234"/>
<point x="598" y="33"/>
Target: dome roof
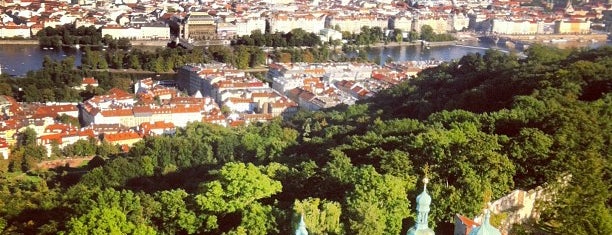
<point x="424" y="200"/>
<point x="301" y="229"/>
<point x="414" y="231"/>
<point x="486" y="228"/>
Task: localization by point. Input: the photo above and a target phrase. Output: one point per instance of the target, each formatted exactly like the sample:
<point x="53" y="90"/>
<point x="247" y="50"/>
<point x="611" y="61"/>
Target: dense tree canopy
<point x="483" y="125"/>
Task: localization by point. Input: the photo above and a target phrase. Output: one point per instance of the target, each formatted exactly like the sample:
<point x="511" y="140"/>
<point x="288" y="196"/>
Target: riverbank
<point x="18" y="42"/>
<point x="163" y="43"/>
<point x="417" y="43"/>
<point x="157" y="43"/>
<point x="149" y="43"/>
<point x="547" y="38"/>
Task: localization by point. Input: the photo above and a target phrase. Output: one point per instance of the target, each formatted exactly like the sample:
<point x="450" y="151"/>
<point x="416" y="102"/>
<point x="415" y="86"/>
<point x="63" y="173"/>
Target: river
<point x="17" y="60"/>
<point x="417" y="53"/>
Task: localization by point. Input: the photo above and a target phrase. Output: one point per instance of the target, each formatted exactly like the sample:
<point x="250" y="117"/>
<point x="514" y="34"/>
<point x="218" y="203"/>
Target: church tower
<point x="486" y="228"/>
<point x="568" y="7"/>
<point x="301" y="229"/>
<point x="423" y="201"/>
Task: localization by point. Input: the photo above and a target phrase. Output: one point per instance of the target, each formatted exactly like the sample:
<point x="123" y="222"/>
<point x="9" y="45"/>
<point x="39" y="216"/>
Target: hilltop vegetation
<point x="484" y="125"/>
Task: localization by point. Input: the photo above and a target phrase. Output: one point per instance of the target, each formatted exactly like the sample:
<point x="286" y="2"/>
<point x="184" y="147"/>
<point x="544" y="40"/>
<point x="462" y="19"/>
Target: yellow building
<point x="514" y="27"/>
<point x="573" y="27"/>
<point x="200" y="26"/>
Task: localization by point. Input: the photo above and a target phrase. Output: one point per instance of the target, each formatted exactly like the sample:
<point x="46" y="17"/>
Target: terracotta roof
<point x="116" y="112"/>
<point x="187" y="100"/>
<point x="186" y="109"/>
<point x="121" y="136"/>
<point x="89" y="81"/>
<point x="54" y="110"/>
<point x="142" y="110"/>
<point x="86" y="132"/>
<point x="118" y="92"/>
<point x="48" y="138"/>
<point x="157" y="125"/>
<point x="213" y="118"/>
<point x="3" y="143"/>
<point x="236" y="100"/>
<point x="237" y="123"/>
<point x="60" y="127"/>
<point x="258" y="116"/>
<point x="469" y="224"/>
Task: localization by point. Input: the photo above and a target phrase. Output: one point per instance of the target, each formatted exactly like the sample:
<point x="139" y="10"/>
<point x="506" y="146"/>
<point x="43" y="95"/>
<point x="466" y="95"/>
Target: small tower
<point x="423" y="201"/>
<point x="486" y="228"/>
<point x="301" y="229"/>
<point x="568" y="7"/>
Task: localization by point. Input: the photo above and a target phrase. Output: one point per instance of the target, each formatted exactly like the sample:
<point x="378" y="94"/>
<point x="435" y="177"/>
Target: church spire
<point x="568" y="7"/>
<point x="423" y="202"/>
<point x="301" y="229"/>
<point x="486" y="228"/>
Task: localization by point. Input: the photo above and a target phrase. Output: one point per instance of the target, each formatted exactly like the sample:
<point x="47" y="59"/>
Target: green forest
<point x="483" y="126"/>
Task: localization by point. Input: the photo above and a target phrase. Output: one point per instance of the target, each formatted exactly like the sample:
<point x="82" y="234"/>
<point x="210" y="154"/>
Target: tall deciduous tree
<point x="378" y="204"/>
<point x="237" y="189"/>
<point x="320" y="216"/>
<point x="101" y="221"/>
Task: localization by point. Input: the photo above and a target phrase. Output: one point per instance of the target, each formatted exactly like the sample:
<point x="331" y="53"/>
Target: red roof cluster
<point x="120" y="136"/>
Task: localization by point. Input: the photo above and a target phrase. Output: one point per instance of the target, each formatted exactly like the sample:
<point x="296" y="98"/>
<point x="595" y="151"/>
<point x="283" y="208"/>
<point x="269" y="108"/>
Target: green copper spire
<point x="301" y="230"/>
<point x="423" y="201"/>
<point x="486" y="228"/>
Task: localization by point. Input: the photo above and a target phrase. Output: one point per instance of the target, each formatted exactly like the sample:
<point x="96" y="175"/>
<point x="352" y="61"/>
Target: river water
<point x="17" y="60"/>
<point x="418" y="53"/>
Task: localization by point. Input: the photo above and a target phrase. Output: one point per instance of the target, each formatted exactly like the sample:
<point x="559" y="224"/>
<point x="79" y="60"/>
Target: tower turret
<point x="301" y="229"/>
<point x="423" y="202"/>
<point x="486" y="228"/>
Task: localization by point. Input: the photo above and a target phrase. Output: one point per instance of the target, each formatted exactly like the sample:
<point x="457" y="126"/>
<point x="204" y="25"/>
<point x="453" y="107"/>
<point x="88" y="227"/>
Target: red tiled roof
<point x="121" y="136"/>
<point x="236" y="100"/>
<point x="186" y="109"/>
<point x="157" y="125"/>
<point x="57" y="127"/>
<point x="116" y="112"/>
<point x="3" y="143"/>
<point x="48" y="138"/>
<point x="469" y="224"/>
<point x="237" y="123"/>
<point x="118" y="92"/>
<point x="89" y="81"/>
<point x="54" y="110"/>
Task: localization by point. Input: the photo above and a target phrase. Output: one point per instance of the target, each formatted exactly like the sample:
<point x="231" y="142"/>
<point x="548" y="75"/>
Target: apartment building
<point x="283" y="22"/>
<point x="117" y="31"/>
<point x="11" y="30"/>
<point x="244" y="26"/>
<point x="572" y="27"/>
<point x="354" y="23"/>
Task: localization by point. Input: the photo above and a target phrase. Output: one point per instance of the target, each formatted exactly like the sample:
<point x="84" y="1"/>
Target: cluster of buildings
<point x="564" y="20"/>
<point x="224" y="19"/>
<point x="119" y="118"/>
<point x="212" y="93"/>
<point x="310" y="86"/>
<point x="235" y="91"/>
<point x="323" y="85"/>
